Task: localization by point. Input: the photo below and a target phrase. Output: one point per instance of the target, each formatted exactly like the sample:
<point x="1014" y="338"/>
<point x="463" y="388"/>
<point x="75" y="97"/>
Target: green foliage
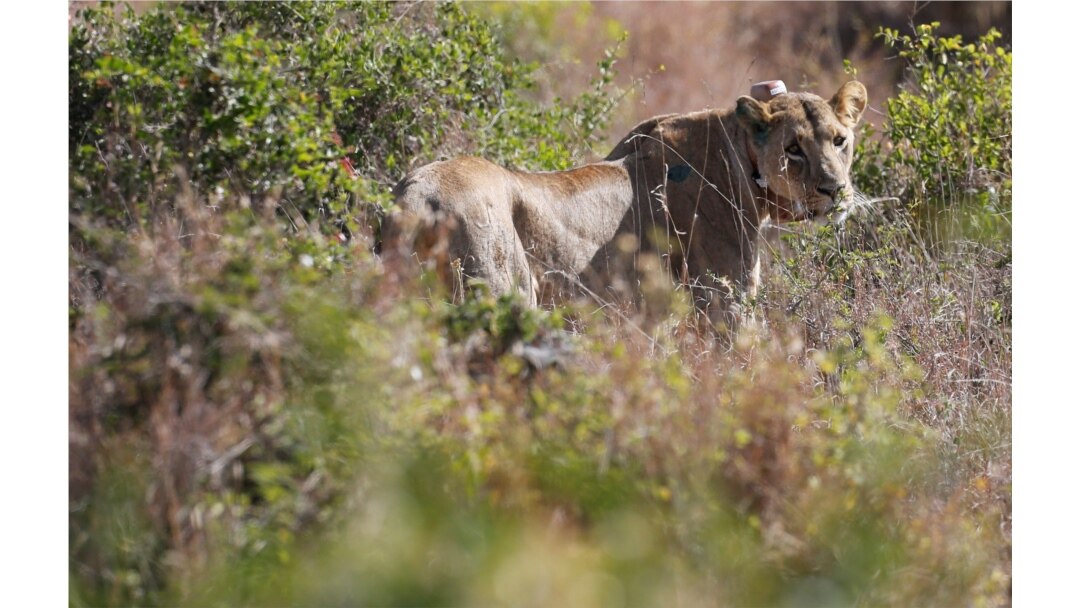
<point x="919" y="289"/>
<point x="505" y="319"/>
<point x="936" y="261"/>
<point x="536" y="31"/>
<point x="220" y="361"/>
<point x="947" y="140"/>
<point x="951" y="126"/>
<point x="260" y="416"/>
<point x="562" y="132"/>
<point x="486" y="488"/>
<point x="216" y="131"/>
<point x="259" y="102"/>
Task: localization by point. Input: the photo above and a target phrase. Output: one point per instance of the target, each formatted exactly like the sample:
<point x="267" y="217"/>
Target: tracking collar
<point x="755" y="174"/>
<point x="779" y="207"/>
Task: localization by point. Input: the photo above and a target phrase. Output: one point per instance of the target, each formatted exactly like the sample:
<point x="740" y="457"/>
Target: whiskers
<point x="858" y="204"/>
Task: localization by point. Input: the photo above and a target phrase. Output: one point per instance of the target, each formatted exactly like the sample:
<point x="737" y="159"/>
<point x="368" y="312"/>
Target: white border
<point x="1045" y="400"/>
<point x="33" y="342"/>
<point x="33" y="247"/>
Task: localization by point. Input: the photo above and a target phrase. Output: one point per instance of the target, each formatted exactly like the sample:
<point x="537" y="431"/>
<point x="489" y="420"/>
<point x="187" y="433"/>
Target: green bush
<point x="947" y="138"/>
<point x="260" y="416"/>
<point x="208" y="204"/>
<point x="950" y="126"/>
<point x="258" y="103"/>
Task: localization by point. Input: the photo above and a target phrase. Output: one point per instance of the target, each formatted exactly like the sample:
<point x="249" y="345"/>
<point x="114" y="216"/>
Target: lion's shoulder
<point x="642" y="132"/>
<point x="678" y="130"/>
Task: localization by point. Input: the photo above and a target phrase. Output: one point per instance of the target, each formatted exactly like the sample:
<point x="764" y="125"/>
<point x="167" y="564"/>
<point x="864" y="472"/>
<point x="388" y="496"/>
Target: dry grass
<point x="260" y="414"/>
<point x="857" y="441"/>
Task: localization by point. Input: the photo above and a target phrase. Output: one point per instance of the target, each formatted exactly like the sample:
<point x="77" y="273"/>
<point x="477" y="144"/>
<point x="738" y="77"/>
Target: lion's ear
<point x="849" y="102"/>
<point x="753" y="115"/>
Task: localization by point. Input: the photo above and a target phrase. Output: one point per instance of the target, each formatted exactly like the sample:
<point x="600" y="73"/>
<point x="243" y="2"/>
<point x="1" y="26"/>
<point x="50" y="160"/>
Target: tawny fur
<point x="683" y="185"/>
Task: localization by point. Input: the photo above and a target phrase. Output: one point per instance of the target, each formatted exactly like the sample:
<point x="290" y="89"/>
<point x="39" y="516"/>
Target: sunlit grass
<point x="261" y="414"/>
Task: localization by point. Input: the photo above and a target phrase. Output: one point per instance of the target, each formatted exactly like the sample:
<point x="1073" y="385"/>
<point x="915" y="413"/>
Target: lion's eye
<point x="839" y="141"/>
<point x="794" y="149"/>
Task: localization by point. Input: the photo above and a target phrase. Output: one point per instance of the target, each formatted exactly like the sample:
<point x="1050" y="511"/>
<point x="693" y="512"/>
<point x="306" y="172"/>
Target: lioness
<point x="693" y="188"/>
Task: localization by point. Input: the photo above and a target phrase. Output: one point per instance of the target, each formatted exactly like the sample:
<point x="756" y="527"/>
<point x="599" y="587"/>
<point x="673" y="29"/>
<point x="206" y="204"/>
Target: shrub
<point x="259" y="102"/>
<point x="936" y="262"/>
<point x="210" y="215"/>
<point x="947" y="138"/>
<point x="259" y="416"/>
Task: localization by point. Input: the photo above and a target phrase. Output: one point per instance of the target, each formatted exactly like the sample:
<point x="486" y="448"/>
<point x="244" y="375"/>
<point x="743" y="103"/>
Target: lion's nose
<point x="831" y="190"/>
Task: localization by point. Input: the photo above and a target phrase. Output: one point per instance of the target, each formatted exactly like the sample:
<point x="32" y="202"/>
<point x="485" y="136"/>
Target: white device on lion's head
<point x="766" y="90"/>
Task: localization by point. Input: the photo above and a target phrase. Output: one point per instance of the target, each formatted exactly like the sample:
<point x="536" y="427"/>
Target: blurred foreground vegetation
<point x="259" y="416"/>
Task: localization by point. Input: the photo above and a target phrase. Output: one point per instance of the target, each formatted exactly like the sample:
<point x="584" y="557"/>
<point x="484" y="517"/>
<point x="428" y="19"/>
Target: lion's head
<point x="802" y="146"/>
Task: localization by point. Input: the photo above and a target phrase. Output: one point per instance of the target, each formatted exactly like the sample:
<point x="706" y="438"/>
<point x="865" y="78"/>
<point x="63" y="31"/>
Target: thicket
<point x="260" y="416"/>
<point x="947" y="139"/>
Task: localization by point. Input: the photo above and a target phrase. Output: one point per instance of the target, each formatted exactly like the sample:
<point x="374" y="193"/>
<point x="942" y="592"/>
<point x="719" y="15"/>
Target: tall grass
<point x="261" y="415"/>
